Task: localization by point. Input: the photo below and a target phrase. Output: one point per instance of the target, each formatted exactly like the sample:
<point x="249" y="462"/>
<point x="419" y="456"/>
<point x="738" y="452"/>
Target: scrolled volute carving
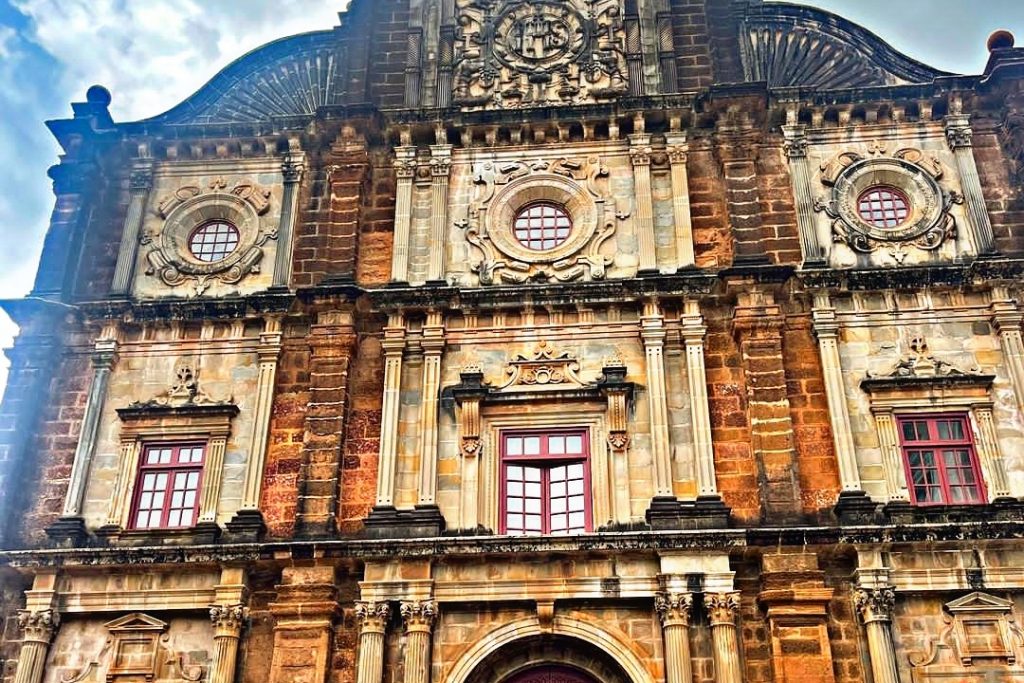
<point x="875" y="604"/>
<point x="39" y="625"/>
<point x="419" y="614"/>
<point x="674" y="608"/>
<point x="229" y="618"/>
<point x="722" y="607"/>
<point x="373" y="615"/>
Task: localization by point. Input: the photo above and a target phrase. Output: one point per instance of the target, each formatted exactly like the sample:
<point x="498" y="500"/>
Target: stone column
<point x="875" y="606"/>
<point x="228" y="621"/>
<point x="373" y="622"/>
<point x="1007" y="319"/>
<point x="959" y="136"/>
<point x="803" y="191"/>
<point x="640" y="155"/>
<point x="419" y="620"/>
<point x="291" y="170"/>
<point x="693" y="334"/>
<point x="826" y="328"/>
<point x="38" y="629"/>
<point x="652" y="332"/>
<point x="405" y="170"/>
<point x="722" y="610"/>
<point x="71" y="526"/>
<point x="394" y="348"/>
<point x="440" y="168"/>
<point x="433" y="348"/>
<point x="678" y="151"/>
<point x="674" y="611"/>
<point x="248" y="520"/>
<point x="139" y="184"/>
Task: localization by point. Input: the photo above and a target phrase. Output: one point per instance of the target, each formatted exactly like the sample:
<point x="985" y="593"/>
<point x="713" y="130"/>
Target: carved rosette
<point x="39" y="626"/>
<point x="674" y="608"/>
<point x="722" y="608"/>
<point x="228" y="620"/>
<point x="511" y="54"/>
<point x="373" y="616"/>
<point x="419" y="615"/>
<point x="579" y="185"/>
<point x="189" y="207"/>
<point x="930" y="224"/>
<point x="875" y="604"/>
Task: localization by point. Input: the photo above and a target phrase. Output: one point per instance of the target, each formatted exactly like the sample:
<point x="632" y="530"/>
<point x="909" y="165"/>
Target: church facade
<point x="515" y="341"/>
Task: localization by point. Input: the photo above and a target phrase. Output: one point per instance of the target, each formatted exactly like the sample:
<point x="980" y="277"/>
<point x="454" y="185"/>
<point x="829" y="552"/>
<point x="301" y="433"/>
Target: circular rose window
<point x="213" y="241"/>
<point x="541" y="226"/>
<point x="883" y="206"/>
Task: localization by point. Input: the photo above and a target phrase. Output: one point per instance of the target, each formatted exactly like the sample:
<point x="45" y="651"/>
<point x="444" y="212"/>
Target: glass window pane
<point x="574" y="445"/>
<point x="533" y="506"/>
<point x="556" y="445"/>
<point x="514" y="446"/>
<point x="531" y="445"/>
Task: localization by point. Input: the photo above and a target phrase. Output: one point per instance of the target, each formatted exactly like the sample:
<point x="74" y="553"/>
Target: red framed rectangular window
<point x="167" y="492"/>
<point x="940" y="460"/>
<point x="545" y="482"/>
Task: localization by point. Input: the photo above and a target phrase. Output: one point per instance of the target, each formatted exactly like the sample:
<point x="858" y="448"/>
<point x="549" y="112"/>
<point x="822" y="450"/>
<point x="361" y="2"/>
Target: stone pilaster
<point x="332" y="343"/>
<point x="228" y="621"/>
<point x="139" y="184"/>
<point x="693" y="332"/>
<point x="373" y="622"/>
<point x="71" y="526"/>
<point x="875" y="607"/>
<point x="394" y="350"/>
<point x="38" y="629"/>
<point x="304" y="613"/>
<point x="640" y="155"/>
<point x="739" y="150"/>
<point x="803" y="191"/>
<point x="440" y="169"/>
<point x="674" y="611"/>
<point x="722" y="611"/>
<point x="959" y="136"/>
<point x="248" y="521"/>
<point x="678" y="149"/>
<point x="758" y="324"/>
<point x="433" y="348"/>
<point x="291" y="171"/>
<point x="652" y="332"/>
<point x="405" y="170"/>
<point x="1007" y="319"/>
<point x="419" y="618"/>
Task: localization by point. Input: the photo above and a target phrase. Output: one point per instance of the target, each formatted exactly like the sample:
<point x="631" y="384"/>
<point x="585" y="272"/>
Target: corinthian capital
<point x="875" y="604"/>
<point x="228" y="619"/>
<point x="373" y="615"/>
<point x="419" y="615"/>
<point x="40" y="625"/>
<point x="722" y="607"/>
<point x="674" y="608"/>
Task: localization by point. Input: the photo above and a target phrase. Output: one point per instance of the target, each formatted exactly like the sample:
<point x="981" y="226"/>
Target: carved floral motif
<point x="183" y="391"/>
<point x="39" y="625"/>
<point x="511" y="54"/>
<point x="674" y="608"/>
<point x="920" y="363"/>
<point x="543" y="367"/>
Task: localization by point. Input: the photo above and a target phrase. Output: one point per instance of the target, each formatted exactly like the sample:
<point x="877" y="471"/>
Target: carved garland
<point x="580" y="185"/>
<point x="188" y="207"/>
<point x="930" y="224"/>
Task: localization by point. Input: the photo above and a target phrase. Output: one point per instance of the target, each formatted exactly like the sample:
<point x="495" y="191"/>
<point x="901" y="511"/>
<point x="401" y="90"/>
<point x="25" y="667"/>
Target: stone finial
<point x="1000" y="40"/>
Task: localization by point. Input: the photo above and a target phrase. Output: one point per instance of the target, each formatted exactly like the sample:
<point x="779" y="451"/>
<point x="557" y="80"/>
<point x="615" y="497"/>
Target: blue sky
<point x="151" y="54"/>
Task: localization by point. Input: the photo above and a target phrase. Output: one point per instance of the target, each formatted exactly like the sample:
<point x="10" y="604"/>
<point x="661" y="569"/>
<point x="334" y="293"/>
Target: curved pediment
<point x="795" y="46"/>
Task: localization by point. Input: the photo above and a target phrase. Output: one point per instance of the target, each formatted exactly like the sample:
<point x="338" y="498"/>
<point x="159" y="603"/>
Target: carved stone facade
<point x="495" y="341"/>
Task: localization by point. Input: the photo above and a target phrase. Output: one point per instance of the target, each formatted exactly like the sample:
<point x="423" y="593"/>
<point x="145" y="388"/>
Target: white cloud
<point x="153" y="54"/>
<point x="7" y="35"/>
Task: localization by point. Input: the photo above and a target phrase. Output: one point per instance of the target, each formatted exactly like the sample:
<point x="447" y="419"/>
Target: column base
<point x="707" y="512"/>
<point x="1000" y="510"/>
<point x="68" y="532"/>
<point x="855" y="507"/>
<point x="246" y="526"/>
<point x="424" y="521"/>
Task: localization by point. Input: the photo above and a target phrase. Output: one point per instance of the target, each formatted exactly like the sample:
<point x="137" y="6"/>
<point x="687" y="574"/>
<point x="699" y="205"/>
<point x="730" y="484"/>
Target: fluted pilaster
<point x="722" y="610"/>
<point x="38" y="628"/>
<point x="228" y="621"/>
<point x="373" y="620"/>
<point x="875" y="607"/>
<point x="674" y="611"/>
<point x="419" y="618"/>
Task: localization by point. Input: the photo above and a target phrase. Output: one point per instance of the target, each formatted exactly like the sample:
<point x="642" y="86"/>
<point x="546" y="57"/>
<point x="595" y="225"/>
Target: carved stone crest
<point x="928" y="224"/>
<point x="512" y="53"/>
<point x="191" y="206"/>
<point x="183" y="391"/>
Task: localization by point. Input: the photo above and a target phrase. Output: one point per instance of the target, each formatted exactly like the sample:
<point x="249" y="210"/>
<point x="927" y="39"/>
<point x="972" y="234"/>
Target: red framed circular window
<point x="883" y="206"/>
<point x="213" y="241"/>
<point x="542" y="226"/>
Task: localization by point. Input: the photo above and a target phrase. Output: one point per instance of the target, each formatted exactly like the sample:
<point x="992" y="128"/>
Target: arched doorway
<point x="551" y="674"/>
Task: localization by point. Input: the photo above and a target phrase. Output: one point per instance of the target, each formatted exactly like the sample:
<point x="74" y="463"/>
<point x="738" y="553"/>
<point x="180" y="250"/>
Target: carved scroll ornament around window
<point x="929" y="224"/>
<point x="188" y="208"/>
<point x="511" y="54"/>
<point x="580" y="185"/>
<point x="979" y="629"/>
<point x="184" y="390"/>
